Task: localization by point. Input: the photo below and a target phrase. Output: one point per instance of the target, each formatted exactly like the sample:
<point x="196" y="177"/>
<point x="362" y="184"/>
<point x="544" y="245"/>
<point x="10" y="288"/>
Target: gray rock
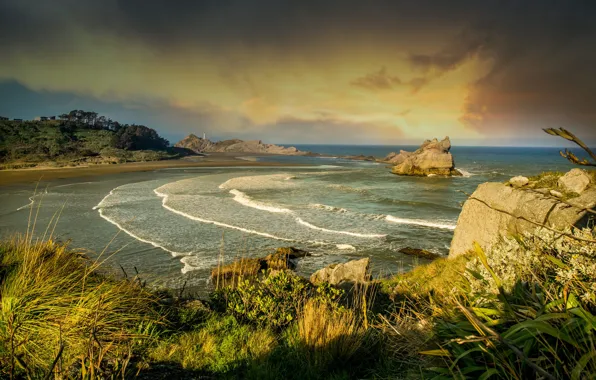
<point x="355" y="271"/>
<point x="519" y="181"/>
<point x="556" y="193"/>
<point x="480" y="223"/>
<point x="575" y="181"/>
<point x="432" y="157"/>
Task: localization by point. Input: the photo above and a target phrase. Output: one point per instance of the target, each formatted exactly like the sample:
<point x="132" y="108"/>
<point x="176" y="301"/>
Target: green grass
<point x="546" y="180"/>
<point x="60" y="316"/>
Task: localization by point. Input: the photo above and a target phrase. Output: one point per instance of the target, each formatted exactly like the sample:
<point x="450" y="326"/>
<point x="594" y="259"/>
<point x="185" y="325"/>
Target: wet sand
<point x="17" y="176"/>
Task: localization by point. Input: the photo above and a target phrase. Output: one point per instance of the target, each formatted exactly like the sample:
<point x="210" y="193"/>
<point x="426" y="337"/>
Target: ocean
<point x="172" y="226"/>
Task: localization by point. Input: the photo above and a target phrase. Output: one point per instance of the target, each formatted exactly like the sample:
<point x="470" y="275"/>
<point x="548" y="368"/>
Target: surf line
<point x="156" y="245"/>
<point x="245" y="200"/>
<point x="422" y="223"/>
<point x="164" y="200"/>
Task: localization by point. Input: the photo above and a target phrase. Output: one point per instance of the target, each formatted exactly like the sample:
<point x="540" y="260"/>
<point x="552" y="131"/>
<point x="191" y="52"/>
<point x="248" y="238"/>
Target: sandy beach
<point x="16" y="176"/>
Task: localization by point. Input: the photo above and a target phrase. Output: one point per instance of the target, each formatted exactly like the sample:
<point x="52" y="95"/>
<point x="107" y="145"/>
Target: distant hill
<point x="199" y="145"/>
<point x="79" y="137"/>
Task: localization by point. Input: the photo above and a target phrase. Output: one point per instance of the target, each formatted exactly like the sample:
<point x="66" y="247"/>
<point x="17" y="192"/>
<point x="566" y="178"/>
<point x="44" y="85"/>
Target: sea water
<point x="173" y="226"/>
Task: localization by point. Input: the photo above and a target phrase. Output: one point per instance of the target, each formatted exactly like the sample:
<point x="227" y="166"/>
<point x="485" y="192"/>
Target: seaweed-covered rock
<point x="419" y="253"/>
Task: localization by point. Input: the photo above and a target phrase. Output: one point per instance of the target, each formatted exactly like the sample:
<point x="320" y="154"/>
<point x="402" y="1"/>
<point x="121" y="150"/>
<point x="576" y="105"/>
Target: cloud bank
<point x="314" y="71"/>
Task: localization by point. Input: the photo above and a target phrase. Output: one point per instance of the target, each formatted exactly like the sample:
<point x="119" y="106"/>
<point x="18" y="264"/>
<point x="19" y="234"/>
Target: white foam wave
<point x="31" y="201"/>
<point x="327" y="208"/>
<point x="103" y="199"/>
<point x="164" y="204"/>
<point x="465" y="173"/>
<point x="129" y="233"/>
<point x="347" y="188"/>
<point x="245" y="200"/>
<point x="347" y="247"/>
<point x="259" y="182"/>
<point x="304" y="223"/>
<point x="191" y="263"/>
<point x="418" y="222"/>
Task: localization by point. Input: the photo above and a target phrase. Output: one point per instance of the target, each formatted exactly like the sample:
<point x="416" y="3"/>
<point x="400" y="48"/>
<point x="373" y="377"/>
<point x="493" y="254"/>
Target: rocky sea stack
<point x="432" y="158"/>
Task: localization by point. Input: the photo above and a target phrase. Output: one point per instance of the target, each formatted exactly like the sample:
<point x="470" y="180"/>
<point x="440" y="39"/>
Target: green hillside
<point x="79" y="137"/>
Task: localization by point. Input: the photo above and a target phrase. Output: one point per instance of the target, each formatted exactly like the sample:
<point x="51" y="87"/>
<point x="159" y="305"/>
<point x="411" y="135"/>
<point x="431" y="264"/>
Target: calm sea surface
<point x="171" y="225"/>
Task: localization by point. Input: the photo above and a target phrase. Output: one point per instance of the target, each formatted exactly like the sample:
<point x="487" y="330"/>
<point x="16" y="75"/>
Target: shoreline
<point x="30" y="175"/>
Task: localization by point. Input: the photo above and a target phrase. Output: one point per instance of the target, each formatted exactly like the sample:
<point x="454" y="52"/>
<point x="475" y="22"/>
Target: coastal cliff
<point x="496" y="210"/>
<point x="199" y="145"/>
<point x="432" y="158"/>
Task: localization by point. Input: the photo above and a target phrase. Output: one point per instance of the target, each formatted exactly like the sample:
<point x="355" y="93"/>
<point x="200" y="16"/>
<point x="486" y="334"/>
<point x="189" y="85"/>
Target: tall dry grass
<point x="329" y="334"/>
<point x="57" y="314"/>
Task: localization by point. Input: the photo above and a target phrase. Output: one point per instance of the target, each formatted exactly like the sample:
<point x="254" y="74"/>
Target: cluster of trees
<point x="77" y="134"/>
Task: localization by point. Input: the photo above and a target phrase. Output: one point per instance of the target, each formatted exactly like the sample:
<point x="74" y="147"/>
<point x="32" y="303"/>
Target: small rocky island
<point x="204" y="145"/>
<point x="432" y="158"/>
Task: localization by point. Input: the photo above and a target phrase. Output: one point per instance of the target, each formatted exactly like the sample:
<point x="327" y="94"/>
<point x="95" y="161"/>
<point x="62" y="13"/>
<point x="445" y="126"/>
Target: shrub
<point x="535" y="322"/>
<point x="273" y="301"/>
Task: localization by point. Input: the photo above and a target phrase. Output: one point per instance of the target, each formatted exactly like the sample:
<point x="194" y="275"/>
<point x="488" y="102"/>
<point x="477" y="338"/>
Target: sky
<point x="325" y="71"/>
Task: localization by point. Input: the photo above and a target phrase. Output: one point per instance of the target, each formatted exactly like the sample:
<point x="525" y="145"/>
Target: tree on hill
<point x="139" y="137"/>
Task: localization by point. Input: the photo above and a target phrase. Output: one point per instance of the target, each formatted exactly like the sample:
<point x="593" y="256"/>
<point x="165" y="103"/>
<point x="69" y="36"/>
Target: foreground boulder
<point x="432" y="158"/>
<point x="282" y="259"/>
<point x="355" y="271"/>
<point x="575" y="181"/>
<point x="495" y="210"/>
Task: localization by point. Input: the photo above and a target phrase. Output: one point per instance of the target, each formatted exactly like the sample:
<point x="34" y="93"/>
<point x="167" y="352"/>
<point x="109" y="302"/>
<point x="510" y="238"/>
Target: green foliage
<point x="529" y="313"/>
<point x="273" y="301"/>
<point x="80" y="137"/>
<point x="220" y="345"/>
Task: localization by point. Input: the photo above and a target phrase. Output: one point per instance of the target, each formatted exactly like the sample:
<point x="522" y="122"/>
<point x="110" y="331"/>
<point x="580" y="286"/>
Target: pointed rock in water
<point x="355" y="271"/>
<point x="575" y="181"/>
<point x="432" y="157"/>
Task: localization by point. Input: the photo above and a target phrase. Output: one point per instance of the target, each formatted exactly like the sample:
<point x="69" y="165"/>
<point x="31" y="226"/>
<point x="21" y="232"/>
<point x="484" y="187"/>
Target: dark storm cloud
<point x="542" y="52"/>
<point x="383" y="80"/>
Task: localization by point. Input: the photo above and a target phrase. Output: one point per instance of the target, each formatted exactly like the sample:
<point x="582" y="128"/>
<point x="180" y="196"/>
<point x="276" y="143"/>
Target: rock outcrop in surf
<point x="200" y="145"/>
<point x="496" y="209"/>
<point x="432" y="158"/>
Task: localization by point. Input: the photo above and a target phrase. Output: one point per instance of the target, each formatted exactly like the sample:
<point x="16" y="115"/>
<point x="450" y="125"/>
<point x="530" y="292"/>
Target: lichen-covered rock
<point x="432" y="157"/>
<point x="487" y="214"/>
<point x="575" y="181"/>
<point x="519" y="181"/>
<point x="355" y="271"/>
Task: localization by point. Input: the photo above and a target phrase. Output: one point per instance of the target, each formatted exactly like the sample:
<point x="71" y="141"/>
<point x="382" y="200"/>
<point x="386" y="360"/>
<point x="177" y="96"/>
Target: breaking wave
<point x="245" y="200"/>
<point x="418" y="222"/>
